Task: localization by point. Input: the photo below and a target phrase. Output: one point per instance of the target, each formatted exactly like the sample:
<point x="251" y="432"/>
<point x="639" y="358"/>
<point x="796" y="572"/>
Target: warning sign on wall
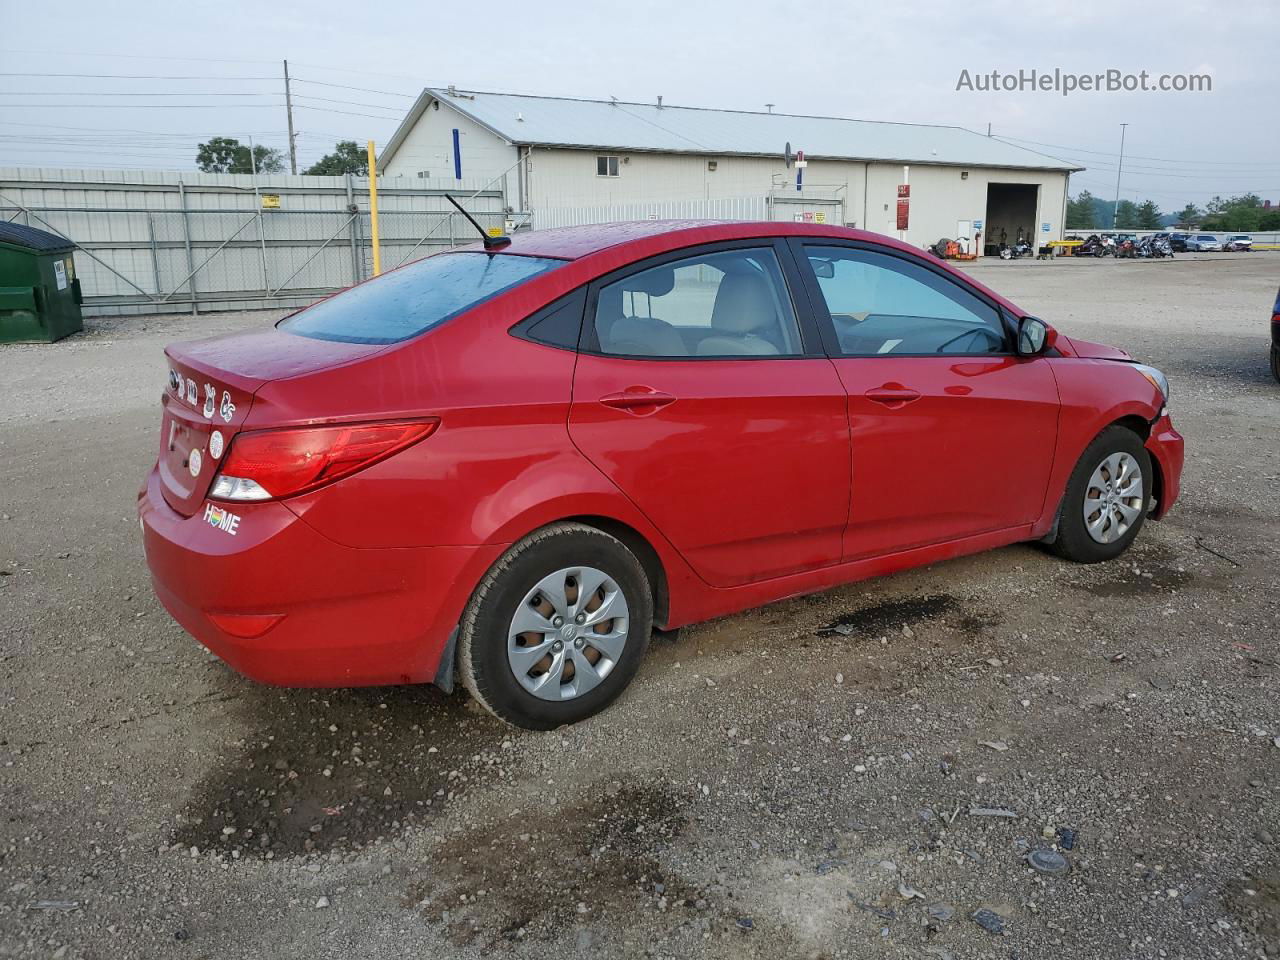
<point x="904" y="212"/>
<point x="819" y="218"/>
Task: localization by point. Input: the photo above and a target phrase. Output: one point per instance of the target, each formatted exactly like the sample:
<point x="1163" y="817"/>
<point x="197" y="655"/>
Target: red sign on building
<point x="904" y="210"/>
<point x="904" y="191"/>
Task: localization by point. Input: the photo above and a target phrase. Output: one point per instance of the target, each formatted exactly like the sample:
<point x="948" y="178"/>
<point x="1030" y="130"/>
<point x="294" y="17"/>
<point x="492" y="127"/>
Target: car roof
<point x="573" y="243"/>
<point x="609" y="246"/>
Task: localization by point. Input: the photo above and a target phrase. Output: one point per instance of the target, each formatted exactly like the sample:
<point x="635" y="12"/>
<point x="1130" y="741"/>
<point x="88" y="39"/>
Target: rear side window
<point x="727" y="304"/>
<point x="408" y="301"/>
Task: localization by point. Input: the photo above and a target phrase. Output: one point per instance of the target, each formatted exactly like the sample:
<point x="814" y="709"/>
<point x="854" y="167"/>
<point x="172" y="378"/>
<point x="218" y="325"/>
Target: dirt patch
<point x="543" y="871"/>
<point x="890" y="614"/>
<point x="339" y="768"/>
<point x="1255" y="901"/>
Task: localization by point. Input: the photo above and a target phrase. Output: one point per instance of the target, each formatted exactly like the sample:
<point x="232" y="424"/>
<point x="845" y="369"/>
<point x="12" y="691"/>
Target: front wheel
<point x="1106" y="500"/>
<point x="557" y="628"/>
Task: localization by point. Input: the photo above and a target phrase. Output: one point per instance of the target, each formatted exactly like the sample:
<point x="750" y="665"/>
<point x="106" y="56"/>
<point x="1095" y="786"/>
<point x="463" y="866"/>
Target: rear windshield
<point x="405" y="302"/>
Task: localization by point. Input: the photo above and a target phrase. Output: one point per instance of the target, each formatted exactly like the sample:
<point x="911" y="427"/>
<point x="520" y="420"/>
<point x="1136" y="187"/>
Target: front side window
<point x="413" y="299"/>
<point x="882" y="304"/>
<point x="606" y="166"/>
<point x="729" y="304"/>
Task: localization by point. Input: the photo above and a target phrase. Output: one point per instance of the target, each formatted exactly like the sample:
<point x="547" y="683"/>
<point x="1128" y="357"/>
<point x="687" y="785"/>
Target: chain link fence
<point x="218" y="245"/>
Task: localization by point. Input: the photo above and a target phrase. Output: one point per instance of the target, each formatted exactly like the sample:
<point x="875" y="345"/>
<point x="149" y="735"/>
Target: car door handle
<point x="892" y="395"/>
<point x="639" y="401"/>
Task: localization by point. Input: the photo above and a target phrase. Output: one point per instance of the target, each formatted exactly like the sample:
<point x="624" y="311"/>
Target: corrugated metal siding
<point x="553" y="121"/>
<point x="737" y="208"/>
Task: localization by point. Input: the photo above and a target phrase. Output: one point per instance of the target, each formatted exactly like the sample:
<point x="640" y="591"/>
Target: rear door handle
<point x="639" y="401"/>
<point x="892" y="395"/>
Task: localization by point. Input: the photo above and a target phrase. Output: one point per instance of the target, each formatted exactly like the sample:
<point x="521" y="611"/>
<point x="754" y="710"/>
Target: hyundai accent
<point x="507" y="464"/>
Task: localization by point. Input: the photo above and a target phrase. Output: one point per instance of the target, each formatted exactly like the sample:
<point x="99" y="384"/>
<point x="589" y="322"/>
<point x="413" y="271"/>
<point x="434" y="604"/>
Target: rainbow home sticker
<point x="224" y="520"/>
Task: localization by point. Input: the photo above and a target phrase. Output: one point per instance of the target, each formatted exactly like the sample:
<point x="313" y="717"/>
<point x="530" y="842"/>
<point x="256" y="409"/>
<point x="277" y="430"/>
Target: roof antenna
<point x="490" y="243"/>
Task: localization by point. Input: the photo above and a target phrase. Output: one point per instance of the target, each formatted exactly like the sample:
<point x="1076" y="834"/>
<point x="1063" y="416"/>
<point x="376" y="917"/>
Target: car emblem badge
<point x="228" y="409"/>
<point x="209" y="395"/>
<point x="194" y="462"/>
<point x="175" y="382"/>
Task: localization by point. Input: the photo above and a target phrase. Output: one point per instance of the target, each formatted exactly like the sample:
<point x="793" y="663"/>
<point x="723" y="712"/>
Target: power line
<point x="142" y="106"/>
<point x="130" y="76"/>
<point x="344" y="86"/>
<point x="128" y="56"/>
<point x="128" y="93"/>
<point x="1112" y="153"/>
<point x="353" y="103"/>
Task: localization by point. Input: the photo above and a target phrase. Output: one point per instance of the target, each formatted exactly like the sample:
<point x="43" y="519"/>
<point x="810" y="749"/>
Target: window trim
<point x="521" y="329"/>
<point x="617" y="165"/>
<point x="826" y="325"/>
<point x="792" y="281"/>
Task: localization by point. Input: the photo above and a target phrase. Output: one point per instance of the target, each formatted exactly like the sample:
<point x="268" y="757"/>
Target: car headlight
<point x="1156" y="377"/>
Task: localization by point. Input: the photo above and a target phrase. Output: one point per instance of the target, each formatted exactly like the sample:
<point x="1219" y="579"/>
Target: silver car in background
<point x="1203" y="243"/>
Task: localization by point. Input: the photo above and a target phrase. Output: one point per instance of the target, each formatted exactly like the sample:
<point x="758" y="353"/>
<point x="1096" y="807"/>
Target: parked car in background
<point x="1238" y="242"/>
<point x="1178" y="242"/>
<point x="1203" y="243"/>
<point x="508" y="464"/>
<point x="1275" y="338"/>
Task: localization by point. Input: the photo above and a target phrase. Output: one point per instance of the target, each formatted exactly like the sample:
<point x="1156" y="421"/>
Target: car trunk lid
<point x="209" y="394"/>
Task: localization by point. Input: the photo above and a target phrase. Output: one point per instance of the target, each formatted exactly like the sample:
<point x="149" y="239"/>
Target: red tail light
<point x="269" y="464"/>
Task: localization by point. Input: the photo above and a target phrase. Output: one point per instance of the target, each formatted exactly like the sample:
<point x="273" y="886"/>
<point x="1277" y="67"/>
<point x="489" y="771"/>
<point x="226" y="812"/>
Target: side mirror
<point x="824" y="269"/>
<point x="1033" y="336"/>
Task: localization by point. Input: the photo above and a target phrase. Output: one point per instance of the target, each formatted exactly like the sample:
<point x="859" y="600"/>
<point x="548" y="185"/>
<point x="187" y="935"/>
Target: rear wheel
<point x="1106" y="500"/>
<point x="557" y="628"/>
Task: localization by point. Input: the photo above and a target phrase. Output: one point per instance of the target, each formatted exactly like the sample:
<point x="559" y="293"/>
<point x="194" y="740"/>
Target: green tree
<point x="1082" y="211"/>
<point x="1270" y="220"/>
<point x="1241" y="213"/>
<point x="1149" y="215"/>
<point x="347" y="157"/>
<point x="1189" y="215"/>
<point x="228" y="155"/>
<point x="1126" y="215"/>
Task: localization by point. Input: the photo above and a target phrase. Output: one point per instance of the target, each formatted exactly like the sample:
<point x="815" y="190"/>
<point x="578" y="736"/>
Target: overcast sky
<point x="873" y="61"/>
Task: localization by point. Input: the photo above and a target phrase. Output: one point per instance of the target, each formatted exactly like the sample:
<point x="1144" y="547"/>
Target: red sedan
<point x="509" y="464"/>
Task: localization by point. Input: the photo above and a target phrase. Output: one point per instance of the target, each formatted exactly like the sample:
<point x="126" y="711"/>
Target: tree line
<point x="229" y="155"/>
<point x="1243" y="213"/>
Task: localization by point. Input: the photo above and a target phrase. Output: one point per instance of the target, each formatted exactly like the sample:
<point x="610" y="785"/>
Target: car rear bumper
<point x="1165" y="445"/>
<point x="285" y="605"/>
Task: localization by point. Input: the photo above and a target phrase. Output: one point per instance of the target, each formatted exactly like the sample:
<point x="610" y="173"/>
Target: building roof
<point x="648" y="127"/>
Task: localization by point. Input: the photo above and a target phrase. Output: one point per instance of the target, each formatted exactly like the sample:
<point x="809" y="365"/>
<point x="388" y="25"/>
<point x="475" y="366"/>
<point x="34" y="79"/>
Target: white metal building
<point x="564" y="161"/>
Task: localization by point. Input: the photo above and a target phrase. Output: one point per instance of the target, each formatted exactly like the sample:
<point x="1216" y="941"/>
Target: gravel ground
<point x="861" y="773"/>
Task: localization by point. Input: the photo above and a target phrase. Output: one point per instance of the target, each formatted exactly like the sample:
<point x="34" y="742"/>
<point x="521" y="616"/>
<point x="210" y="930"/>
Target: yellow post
<point x="373" y="210"/>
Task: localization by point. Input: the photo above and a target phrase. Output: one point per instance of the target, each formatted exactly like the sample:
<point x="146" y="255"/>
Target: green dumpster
<point x="39" y="293"/>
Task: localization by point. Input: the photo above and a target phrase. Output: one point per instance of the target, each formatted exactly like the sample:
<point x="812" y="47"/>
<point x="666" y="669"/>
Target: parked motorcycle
<point x="1020" y="249"/>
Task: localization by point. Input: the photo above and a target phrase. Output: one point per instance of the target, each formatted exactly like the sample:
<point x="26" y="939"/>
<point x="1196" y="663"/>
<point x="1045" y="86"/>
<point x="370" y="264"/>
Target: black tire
<point x="482" y="637"/>
<point x="1275" y="362"/>
<point x="1073" y="541"/>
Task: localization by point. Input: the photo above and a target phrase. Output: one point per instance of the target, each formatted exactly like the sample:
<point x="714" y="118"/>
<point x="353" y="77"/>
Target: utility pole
<point x="288" y="108"/>
<point x="1115" y="213"/>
